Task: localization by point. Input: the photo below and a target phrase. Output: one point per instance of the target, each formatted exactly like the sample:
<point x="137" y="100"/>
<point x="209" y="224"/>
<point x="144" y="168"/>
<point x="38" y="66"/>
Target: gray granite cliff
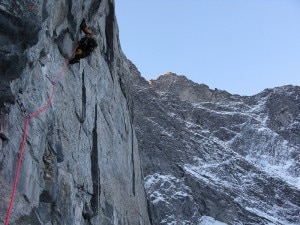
<point x="81" y="163"/>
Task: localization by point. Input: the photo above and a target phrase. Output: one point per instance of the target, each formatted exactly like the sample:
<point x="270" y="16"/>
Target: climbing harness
<point x="27" y="118"/>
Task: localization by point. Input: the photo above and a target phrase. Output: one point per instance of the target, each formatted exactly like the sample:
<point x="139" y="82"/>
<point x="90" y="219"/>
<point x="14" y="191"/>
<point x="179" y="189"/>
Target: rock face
<point x="210" y="157"/>
<point x="81" y="163"/>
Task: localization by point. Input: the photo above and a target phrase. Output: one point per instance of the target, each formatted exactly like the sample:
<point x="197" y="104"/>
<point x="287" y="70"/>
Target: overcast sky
<point x="241" y="46"/>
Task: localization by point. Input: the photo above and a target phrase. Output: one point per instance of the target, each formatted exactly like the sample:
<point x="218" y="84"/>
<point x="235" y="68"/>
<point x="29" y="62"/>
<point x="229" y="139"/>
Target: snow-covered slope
<point x="210" y="157"/>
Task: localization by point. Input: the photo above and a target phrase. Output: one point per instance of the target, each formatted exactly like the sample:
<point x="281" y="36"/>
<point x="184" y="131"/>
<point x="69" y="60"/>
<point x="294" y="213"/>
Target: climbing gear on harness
<point x="78" y="51"/>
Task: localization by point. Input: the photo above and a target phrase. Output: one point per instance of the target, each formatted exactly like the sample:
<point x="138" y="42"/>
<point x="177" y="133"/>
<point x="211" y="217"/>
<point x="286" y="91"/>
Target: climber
<point x="86" y="45"/>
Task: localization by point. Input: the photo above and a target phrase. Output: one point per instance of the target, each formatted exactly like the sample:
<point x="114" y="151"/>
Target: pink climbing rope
<point x="22" y="147"/>
<point x="53" y="87"/>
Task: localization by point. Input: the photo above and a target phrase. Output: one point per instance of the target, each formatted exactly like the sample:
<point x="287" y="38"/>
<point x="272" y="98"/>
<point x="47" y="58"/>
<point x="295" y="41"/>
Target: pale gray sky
<point x="241" y="46"/>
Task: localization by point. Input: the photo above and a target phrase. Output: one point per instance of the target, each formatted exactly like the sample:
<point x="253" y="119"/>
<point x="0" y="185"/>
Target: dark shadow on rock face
<point x="17" y="33"/>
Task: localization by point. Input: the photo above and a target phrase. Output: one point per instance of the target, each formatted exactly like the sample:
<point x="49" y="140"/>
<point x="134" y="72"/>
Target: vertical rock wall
<point x="81" y="163"/>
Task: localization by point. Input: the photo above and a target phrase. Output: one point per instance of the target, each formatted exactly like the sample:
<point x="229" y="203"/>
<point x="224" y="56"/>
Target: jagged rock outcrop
<point x="210" y="157"/>
<point x="81" y="163"/>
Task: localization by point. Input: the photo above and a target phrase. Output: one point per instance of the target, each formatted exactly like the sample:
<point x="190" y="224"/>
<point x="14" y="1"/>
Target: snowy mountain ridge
<point x="209" y="154"/>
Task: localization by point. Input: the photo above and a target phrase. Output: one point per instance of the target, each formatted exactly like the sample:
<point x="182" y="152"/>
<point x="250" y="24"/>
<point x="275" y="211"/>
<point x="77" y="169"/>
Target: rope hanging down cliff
<point x="84" y="48"/>
<point x="22" y="147"/>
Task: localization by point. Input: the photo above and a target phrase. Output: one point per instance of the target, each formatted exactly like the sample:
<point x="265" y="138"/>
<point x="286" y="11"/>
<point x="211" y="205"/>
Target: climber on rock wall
<point x="86" y="45"/>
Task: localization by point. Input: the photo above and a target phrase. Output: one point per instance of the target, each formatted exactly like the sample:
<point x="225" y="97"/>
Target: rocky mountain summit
<point x="81" y="163"/>
<point x="207" y="157"/>
<point x="210" y="157"/>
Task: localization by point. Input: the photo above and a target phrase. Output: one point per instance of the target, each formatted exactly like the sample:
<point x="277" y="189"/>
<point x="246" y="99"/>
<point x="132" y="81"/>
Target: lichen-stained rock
<point x="210" y="157"/>
<point x="81" y="163"/>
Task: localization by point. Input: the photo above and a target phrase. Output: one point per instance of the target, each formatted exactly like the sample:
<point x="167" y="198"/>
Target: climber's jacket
<point x="86" y="45"/>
